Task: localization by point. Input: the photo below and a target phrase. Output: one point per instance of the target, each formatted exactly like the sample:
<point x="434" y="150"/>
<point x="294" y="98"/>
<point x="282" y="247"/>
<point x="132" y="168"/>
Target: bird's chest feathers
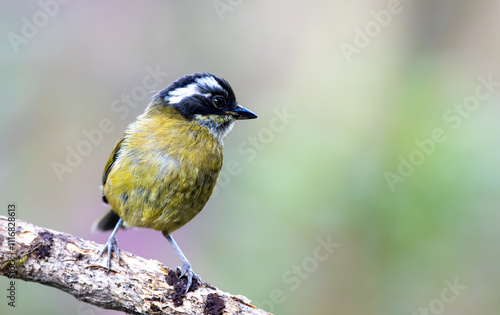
<point x="176" y="147"/>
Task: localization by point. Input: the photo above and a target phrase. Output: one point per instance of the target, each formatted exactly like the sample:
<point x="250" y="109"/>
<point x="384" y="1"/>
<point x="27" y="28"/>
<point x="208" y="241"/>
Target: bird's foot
<point x="110" y="246"/>
<point x="188" y="272"/>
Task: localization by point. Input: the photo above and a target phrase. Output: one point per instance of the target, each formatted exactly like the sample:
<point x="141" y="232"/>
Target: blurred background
<point x="368" y="185"/>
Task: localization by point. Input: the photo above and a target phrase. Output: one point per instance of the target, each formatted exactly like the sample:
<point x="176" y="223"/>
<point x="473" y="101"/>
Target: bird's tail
<point x="106" y="222"/>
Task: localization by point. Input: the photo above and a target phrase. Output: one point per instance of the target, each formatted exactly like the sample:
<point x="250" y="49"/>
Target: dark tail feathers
<point x="106" y="222"/>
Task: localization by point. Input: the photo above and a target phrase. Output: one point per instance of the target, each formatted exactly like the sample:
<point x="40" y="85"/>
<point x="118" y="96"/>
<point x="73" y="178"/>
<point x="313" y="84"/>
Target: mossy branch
<point x="135" y="286"/>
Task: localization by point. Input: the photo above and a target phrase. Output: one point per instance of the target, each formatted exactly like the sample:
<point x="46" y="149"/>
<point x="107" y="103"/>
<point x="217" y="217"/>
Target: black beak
<point x="241" y="113"/>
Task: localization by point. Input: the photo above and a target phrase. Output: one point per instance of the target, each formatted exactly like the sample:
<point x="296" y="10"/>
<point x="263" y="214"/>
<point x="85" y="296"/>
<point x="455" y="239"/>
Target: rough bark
<point x="135" y="285"/>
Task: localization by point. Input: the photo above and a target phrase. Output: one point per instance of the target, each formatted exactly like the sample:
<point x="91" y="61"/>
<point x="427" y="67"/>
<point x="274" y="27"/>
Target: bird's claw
<point x="110" y="246"/>
<point x="187" y="271"/>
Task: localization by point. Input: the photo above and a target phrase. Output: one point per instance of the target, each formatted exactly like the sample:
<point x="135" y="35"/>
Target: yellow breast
<point x="164" y="172"/>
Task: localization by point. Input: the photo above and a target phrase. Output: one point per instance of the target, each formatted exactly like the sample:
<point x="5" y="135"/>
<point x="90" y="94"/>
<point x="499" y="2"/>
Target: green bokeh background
<point x="322" y="174"/>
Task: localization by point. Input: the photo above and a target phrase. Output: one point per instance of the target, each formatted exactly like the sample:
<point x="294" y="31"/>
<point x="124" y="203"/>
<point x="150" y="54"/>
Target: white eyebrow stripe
<point x="191" y="89"/>
<point x="179" y="94"/>
<point x="210" y="82"/>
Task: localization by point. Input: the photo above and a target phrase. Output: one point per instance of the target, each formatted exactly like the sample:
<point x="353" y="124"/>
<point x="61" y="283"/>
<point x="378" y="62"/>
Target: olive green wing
<point x="110" y="163"/>
<point x="109" y="219"/>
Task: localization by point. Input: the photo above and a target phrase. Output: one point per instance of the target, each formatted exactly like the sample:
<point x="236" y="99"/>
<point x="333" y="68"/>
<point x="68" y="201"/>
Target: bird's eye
<point x="219" y="101"/>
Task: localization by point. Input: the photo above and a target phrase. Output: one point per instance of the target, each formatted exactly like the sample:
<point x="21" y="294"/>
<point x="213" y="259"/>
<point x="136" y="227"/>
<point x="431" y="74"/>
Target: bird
<point x="163" y="170"/>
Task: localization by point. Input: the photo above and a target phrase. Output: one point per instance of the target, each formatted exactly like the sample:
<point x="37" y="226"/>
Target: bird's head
<point x="206" y="99"/>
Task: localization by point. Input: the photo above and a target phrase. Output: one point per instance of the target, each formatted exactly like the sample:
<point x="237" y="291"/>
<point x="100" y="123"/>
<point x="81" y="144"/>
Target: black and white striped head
<point x="207" y="99"/>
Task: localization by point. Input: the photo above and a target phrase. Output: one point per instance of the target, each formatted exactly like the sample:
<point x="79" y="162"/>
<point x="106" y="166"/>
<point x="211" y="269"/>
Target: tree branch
<point x="135" y="286"/>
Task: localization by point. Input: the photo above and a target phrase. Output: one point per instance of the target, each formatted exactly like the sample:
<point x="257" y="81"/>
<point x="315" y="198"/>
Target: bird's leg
<point x="112" y="244"/>
<point x="186" y="266"/>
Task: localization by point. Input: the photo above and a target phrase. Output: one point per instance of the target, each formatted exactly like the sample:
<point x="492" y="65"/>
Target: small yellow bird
<point x="163" y="170"/>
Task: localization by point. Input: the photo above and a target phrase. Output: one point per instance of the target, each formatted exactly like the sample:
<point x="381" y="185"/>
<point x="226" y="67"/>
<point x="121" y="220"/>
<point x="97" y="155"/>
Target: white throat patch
<point x="191" y="89"/>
